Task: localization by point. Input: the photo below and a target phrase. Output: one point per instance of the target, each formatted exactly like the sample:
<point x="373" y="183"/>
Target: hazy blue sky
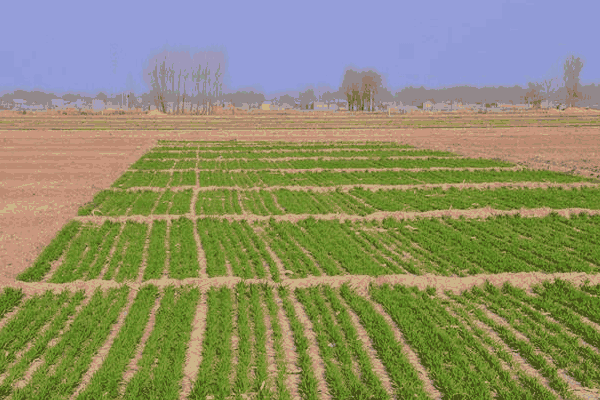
<point x="274" y="46"/>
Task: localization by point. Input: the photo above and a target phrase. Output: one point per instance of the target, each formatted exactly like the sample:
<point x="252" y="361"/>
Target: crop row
<point x="357" y="201"/>
<point x="213" y="160"/>
<point x="164" y="153"/>
<point x="312" y="247"/>
<point x="156" y="179"/>
<point x="495" y="245"/>
<point x="324" y="164"/>
<point x="268" y="145"/>
<point x="110" y="203"/>
<point x="284" y="148"/>
<point x="242" y="344"/>
<point x="328" y="178"/>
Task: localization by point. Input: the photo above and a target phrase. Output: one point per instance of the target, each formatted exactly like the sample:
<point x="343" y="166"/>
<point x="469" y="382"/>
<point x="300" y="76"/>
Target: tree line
<point x="177" y="77"/>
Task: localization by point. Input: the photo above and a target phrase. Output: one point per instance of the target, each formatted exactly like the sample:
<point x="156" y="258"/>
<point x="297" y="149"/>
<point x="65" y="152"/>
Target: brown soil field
<point x="269" y="120"/>
<point x="46" y="175"/>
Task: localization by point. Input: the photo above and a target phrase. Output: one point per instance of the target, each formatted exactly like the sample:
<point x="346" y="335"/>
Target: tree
<point x="287" y="99"/>
<point x="178" y="89"/>
<point x="547" y="85"/>
<point x="158" y="75"/>
<point x="328" y="98"/>
<point x="186" y="75"/>
<point x="572" y="69"/>
<point x="368" y="89"/>
<point x="361" y="88"/>
<point x="533" y="94"/>
<point x="350" y="87"/>
<point x="218" y="85"/>
<point x="307" y="98"/>
<point x="101" y="96"/>
<point x="70" y="97"/>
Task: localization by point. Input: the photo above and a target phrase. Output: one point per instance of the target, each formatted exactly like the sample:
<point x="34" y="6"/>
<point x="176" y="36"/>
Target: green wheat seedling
<point x="51" y="253"/>
<point x="213" y="374"/>
<point x="105" y="382"/>
<point x="71" y="357"/>
<point x="161" y="365"/>
<point x="402" y="374"/>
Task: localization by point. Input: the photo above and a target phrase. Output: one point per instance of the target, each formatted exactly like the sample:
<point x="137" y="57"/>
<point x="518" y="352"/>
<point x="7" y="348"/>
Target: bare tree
<point x="572" y="69"/>
<point x="350" y="87"/>
<point x="186" y="75"/>
<point x="533" y="94"/>
<point x="158" y="75"/>
<point x="178" y="88"/>
<point x="217" y="85"/>
<point x="200" y="77"/>
<point x="369" y="88"/>
<point x="172" y="74"/>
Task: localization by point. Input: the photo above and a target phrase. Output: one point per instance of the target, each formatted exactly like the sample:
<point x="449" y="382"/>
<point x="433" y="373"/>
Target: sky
<point x="279" y="46"/>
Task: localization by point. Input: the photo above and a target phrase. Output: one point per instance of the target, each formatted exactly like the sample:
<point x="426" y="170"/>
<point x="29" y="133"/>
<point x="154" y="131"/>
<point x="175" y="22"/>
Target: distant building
<point x="80" y="104"/>
<point x="98" y="105"/>
<point x="266" y="106"/>
<point x="112" y="105"/>
<point x="407" y="109"/>
<point x="58" y="104"/>
<point x="444" y="107"/>
<point x="19" y="104"/>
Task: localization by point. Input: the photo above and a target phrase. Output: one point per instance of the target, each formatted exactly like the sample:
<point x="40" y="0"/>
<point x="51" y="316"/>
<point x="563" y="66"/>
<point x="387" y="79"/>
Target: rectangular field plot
<point x="218" y="202"/>
<point x="268" y="154"/>
<point x="502" y="198"/>
<point x="450" y="247"/>
<point x="324" y="164"/>
<point x="249" y="146"/>
<point x="268" y="145"/>
<point x="222" y="158"/>
<point x="234" y="249"/>
<point x="133" y="179"/>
